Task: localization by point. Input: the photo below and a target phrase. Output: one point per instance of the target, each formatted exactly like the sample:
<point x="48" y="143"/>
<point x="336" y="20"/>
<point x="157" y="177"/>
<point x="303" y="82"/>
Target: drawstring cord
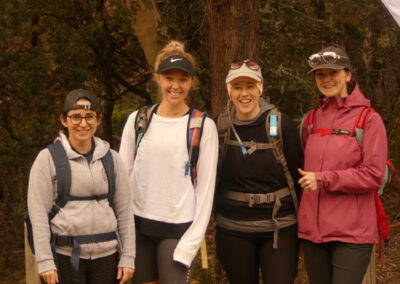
<point x="244" y="151"/>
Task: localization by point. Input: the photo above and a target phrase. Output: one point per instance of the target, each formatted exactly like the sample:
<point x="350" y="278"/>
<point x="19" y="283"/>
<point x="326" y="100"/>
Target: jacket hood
<point x="265" y="106"/>
<point x="354" y="99"/>
<point x="100" y="150"/>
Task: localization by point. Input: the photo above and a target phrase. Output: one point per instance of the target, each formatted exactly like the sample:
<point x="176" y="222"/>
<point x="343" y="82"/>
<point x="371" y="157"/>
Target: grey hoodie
<point x="81" y="217"/>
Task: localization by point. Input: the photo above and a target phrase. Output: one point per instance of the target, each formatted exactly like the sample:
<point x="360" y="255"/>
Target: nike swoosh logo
<point x="175" y="59"/>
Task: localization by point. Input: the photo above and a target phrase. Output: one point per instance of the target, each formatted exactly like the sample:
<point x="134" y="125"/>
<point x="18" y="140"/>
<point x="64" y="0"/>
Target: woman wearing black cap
<point x="256" y="198"/>
<point x="172" y="207"/>
<point x="344" y="165"/>
<point x="75" y="234"/>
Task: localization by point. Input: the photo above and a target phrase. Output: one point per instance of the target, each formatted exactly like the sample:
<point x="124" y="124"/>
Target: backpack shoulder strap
<point x="273" y="125"/>
<point x="361" y="122"/>
<point x="224" y="133"/>
<point x="108" y="164"/>
<point x="194" y="134"/>
<point x="310" y="119"/>
<point x="142" y="121"/>
<point x="63" y="172"/>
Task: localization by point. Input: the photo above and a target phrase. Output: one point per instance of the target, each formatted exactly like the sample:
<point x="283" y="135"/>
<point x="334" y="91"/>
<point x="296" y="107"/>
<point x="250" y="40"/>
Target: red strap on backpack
<point x="193" y="139"/>
<point x="383" y="226"/>
<point x="361" y="122"/>
<point x="362" y="118"/>
<point x="382" y="222"/>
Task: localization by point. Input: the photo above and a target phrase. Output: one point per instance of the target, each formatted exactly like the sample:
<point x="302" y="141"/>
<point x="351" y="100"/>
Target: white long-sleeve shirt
<point x="161" y="191"/>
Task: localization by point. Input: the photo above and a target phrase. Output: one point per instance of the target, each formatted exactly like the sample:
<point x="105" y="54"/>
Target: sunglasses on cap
<point x="329" y="57"/>
<point x="251" y="64"/>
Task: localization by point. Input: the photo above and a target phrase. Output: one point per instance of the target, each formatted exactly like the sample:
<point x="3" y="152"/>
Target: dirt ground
<point x="12" y="269"/>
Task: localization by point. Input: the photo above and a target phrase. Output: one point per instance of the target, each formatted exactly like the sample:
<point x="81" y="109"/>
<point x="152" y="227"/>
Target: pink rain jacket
<point x="343" y="206"/>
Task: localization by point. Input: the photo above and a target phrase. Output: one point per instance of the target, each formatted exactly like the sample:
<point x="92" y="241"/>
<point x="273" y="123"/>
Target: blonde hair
<point x="173" y="48"/>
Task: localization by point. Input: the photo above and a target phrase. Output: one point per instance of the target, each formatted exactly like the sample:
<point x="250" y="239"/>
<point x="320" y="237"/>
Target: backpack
<point x="274" y="135"/>
<point x="357" y="132"/>
<point x="63" y="173"/>
<point x="193" y="137"/>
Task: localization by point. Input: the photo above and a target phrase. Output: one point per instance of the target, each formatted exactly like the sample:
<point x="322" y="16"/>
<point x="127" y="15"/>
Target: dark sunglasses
<point x="251" y="64"/>
<point x="329" y="57"/>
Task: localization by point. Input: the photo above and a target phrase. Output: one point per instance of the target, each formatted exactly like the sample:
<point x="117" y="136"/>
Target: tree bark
<point x="234" y="35"/>
<point x="107" y="122"/>
<point x="145" y="24"/>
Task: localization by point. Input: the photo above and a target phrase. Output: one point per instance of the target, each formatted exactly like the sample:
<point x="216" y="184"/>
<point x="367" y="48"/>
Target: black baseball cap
<point x="75" y="95"/>
<point x="176" y="62"/>
<point x="343" y="62"/>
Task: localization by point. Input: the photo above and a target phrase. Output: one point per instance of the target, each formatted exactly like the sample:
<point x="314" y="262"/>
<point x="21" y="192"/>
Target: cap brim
<point x="243" y="74"/>
<point x="326" y="66"/>
<point x="182" y="68"/>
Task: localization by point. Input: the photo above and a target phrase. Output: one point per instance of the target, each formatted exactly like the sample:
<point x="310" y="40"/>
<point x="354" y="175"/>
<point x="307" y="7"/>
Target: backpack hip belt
<point x="257" y="198"/>
<point x="76" y="242"/>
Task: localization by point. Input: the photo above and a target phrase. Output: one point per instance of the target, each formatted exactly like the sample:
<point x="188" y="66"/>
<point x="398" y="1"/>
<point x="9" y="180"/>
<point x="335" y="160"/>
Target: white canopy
<point x="393" y="7"/>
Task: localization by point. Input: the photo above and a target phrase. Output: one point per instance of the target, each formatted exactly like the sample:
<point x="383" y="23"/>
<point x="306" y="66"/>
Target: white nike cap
<point x="176" y="62"/>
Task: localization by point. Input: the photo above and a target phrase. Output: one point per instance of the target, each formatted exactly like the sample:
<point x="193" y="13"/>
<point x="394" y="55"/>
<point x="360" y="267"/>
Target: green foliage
<point x="186" y="21"/>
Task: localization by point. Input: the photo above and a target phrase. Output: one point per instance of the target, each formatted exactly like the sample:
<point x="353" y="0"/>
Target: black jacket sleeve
<point x="292" y="148"/>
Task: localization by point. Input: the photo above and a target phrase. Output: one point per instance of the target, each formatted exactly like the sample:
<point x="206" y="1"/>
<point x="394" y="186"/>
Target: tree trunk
<point x="234" y="35"/>
<point x="145" y="24"/>
<point x="107" y="122"/>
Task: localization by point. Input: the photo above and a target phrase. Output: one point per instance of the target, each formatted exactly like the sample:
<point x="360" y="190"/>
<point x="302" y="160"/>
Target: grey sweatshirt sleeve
<point x="41" y="194"/>
<point x="124" y="214"/>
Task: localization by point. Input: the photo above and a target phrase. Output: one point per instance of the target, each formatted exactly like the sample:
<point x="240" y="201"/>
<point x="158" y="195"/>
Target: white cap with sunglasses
<point x="246" y="68"/>
<point x="330" y="58"/>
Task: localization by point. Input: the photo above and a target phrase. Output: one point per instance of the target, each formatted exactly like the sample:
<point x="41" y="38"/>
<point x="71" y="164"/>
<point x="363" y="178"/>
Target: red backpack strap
<point x="383" y="227"/>
<point x="194" y="133"/>
<point x="361" y="123"/>
<point x="382" y="222"/>
<point x="307" y="125"/>
<point x="310" y="121"/>
<point x="393" y="172"/>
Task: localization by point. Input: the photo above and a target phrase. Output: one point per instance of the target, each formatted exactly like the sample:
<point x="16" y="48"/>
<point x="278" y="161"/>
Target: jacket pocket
<point x="308" y="212"/>
<point x="339" y="216"/>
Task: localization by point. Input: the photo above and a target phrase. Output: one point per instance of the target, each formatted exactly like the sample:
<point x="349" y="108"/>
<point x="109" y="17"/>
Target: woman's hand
<point x="50" y="277"/>
<point x="124" y="274"/>
<point x="308" y="182"/>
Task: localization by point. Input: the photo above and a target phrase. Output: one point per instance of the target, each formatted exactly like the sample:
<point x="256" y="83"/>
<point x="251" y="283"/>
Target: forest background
<point x="48" y="48"/>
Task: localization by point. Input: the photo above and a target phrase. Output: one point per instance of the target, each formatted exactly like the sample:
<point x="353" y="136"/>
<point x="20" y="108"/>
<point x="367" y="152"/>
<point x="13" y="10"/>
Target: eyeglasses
<point x="76" y="119"/>
<point x="251" y="64"/>
<point x="329" y="57"/>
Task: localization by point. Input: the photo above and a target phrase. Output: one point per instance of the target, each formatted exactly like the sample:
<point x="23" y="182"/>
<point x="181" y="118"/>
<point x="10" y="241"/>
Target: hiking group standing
<point x="98" y="216"/>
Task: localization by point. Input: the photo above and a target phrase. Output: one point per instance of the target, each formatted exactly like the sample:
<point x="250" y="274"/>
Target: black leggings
<point x="241" y="258"/>
<point x="336" y="262"/>
<point x="154" y="261"/>
<point x="91" y="271"/>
